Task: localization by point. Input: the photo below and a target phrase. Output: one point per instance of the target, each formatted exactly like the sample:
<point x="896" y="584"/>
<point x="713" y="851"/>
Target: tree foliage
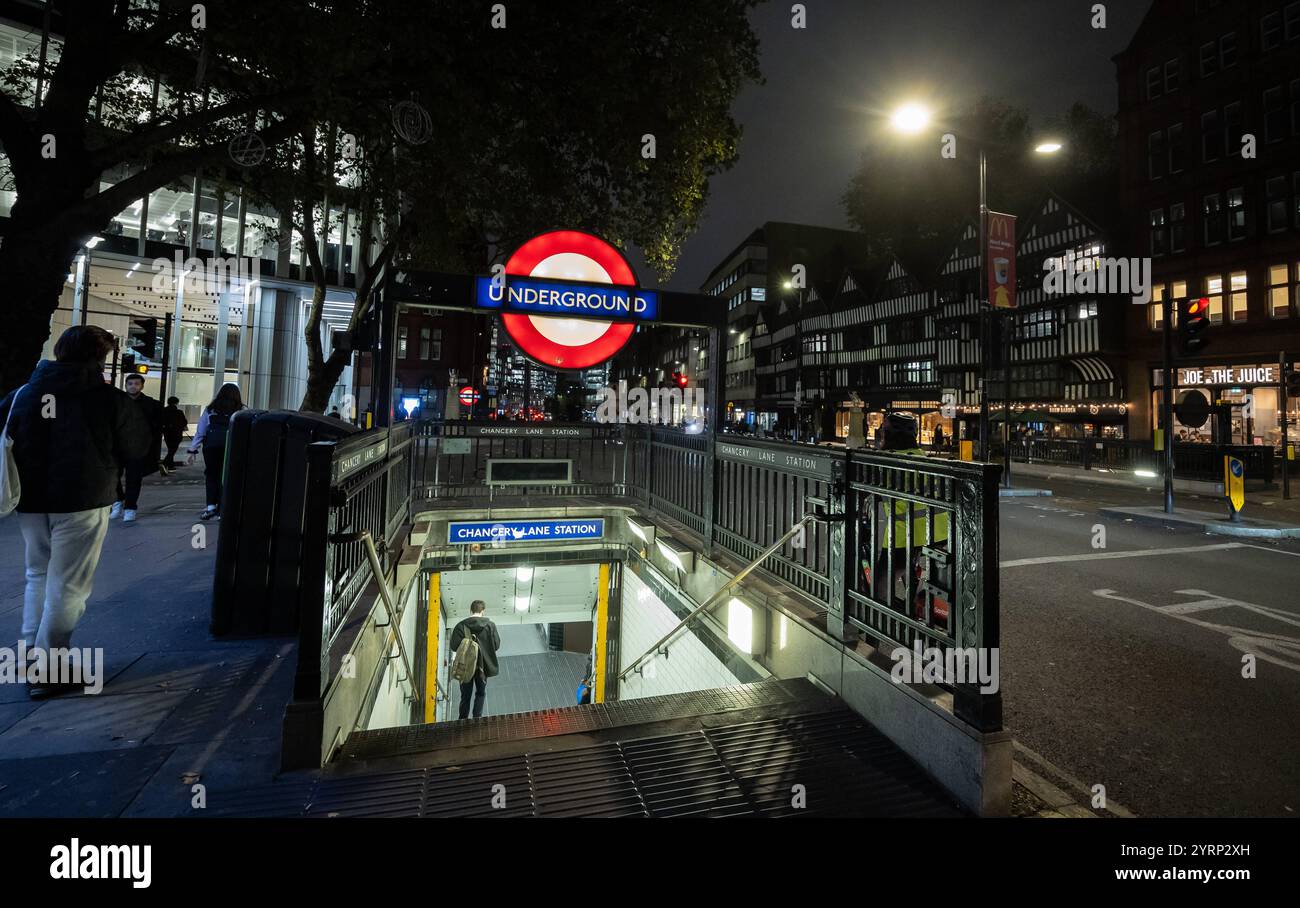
<point x="536" y="125"/>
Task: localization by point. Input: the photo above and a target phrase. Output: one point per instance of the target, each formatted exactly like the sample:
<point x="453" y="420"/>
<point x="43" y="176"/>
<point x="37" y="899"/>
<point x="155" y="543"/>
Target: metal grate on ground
<point x="411" y="739"/>
<point x="827" y="764"/>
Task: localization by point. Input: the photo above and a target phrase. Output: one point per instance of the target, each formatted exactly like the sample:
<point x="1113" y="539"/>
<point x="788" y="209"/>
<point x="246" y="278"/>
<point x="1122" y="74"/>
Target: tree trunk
<point x="36" y="265"/>
<point x="322" y="376"/>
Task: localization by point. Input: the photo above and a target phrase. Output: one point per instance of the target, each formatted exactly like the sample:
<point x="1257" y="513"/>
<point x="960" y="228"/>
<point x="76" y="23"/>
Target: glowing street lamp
<point x="910" y="118"/>
<point x="1048" y="148"/>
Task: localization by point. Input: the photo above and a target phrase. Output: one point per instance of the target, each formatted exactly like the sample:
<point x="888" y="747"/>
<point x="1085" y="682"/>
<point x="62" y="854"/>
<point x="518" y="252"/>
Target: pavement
<point x="180" y="714"/>
<point x="1160" y="663"/>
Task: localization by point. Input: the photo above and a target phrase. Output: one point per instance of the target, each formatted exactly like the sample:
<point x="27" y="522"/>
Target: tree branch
<point x="104" y="205"/>
<point x="136" y="143"/>
<point x="17" y="137"/>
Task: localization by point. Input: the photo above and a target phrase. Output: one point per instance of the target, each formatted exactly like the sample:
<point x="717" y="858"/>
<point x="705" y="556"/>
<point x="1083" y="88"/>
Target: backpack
<point x="465" y="665"/>
<point x="218" y="424"/>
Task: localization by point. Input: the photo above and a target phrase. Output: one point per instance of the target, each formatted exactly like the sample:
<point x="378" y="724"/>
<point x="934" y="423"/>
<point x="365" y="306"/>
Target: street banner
<point x="1001" y="260"/>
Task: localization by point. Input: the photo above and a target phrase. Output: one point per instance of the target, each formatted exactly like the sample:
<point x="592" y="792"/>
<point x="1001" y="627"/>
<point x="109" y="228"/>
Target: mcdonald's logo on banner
<point x="1000" y="261"/>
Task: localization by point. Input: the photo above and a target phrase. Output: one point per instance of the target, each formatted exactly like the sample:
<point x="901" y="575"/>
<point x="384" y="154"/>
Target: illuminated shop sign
<point x="1229" y="375"/>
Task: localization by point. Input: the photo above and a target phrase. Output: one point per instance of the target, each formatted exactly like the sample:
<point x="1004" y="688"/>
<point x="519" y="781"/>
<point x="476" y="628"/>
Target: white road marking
<point x="1140" y="553"/>
<point x="1243" y="639"/>
<point x="1264" y="548"/>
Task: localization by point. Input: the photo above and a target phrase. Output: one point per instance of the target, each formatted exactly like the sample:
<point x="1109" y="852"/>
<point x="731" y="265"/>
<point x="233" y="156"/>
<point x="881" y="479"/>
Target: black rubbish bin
<point x="257" y="586"/>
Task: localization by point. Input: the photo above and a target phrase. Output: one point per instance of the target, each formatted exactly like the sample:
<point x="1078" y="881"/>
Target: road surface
<point x="1123" y="664"/>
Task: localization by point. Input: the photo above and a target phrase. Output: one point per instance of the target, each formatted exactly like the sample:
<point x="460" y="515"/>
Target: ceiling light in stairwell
<point x="677" y="554"/>
<point x="521" y="603"/>
<point x="523" y="574"/>
<point x="745" y="628"/>
<point x="642" y="529"/>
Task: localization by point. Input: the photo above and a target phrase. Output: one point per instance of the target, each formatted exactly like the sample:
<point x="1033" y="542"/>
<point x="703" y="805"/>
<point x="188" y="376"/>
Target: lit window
<point x="1214" y="292"/>
<point x="1279" y="291"/>
<point x="1239" y="296"/>
<point x="401" y="342"/>
<point x="1156" y="309"/>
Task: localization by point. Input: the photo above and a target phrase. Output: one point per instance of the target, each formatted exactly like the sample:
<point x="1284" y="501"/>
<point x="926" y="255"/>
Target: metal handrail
<point x="372" y="554"/>
<point x="722" y="591"/>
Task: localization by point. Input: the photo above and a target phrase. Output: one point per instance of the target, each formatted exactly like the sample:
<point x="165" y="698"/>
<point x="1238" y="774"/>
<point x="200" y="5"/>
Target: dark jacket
<point x="152" y="412"/>
<point x="175" y="422"/>
<point x="69" y="450"/>
<point x="489" y="641"/>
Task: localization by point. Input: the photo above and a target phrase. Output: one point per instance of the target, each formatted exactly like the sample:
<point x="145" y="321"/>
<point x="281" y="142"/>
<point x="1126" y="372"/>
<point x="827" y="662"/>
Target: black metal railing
<point x="360" y="484"/>
<point x="449" y="460"/>
<point x="903" y="549"/>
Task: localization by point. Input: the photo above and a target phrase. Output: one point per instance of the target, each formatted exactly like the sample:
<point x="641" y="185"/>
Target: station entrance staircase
<point x="779" y="748"/>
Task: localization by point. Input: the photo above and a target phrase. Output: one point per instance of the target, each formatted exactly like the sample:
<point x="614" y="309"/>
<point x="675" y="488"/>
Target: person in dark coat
<point x="489" y="641"/>
<point x="131" y="476"/>
<point x="72" y="432"/>
<point x="210" y="438"/>
<point x="174" y="424"/>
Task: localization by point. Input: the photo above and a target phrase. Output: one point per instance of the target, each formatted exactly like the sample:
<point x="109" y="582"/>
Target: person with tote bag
<point x="67" y="433"/>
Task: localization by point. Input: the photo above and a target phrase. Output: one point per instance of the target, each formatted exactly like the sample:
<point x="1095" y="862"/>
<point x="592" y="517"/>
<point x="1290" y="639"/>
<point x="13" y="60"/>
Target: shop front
<point x="1250" y="392"/>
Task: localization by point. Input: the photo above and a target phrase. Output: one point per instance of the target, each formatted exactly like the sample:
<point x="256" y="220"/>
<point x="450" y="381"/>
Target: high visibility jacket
<point x="920" y="513"/>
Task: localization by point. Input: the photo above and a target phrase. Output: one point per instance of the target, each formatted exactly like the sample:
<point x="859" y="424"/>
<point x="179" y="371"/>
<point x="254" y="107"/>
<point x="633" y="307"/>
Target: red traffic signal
<point x="680" y="379"/>
<point x="1193" y="320"/>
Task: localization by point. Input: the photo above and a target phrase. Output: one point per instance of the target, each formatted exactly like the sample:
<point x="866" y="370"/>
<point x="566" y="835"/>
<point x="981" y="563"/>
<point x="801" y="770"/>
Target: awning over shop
<point x="1094" y="371"/>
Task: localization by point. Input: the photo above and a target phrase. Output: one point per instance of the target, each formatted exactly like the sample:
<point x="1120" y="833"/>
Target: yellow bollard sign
<point x="1234" y="482"/>
<point x="967" y="450"/>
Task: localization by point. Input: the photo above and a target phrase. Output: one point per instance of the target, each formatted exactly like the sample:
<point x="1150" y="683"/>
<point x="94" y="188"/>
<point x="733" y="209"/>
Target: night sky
<point x="827" y="86"/>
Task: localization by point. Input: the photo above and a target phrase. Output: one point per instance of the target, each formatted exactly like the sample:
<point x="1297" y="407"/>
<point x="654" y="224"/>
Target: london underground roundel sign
<point x="568" y="300"/>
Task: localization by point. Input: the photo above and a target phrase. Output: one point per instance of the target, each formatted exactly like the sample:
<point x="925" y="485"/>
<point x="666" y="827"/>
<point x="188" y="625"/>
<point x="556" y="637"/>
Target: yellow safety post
<point x="602" y="622"/>
<point x="431" y="649"/>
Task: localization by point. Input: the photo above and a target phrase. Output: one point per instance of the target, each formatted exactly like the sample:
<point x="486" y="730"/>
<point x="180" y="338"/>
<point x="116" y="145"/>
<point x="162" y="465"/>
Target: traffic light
<point x="128" y="364"/>
<point x="680" y="379"/>
<point x="1193" y="321"/>
<point x="142" y="338"/>
<point x="1293" y="382"/>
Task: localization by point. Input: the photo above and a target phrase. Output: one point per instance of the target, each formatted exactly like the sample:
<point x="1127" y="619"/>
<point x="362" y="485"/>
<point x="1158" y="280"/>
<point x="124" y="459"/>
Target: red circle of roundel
<point x="521" y="328"/>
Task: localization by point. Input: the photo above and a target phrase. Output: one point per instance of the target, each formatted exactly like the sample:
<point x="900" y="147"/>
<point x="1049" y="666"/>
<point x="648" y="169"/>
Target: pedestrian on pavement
<point x="174" y="424"/>
<point x="72" y="433"/>
<point x="131" y="476"/>
<point x="210" y="438"/>
<point x="489" y="641"/>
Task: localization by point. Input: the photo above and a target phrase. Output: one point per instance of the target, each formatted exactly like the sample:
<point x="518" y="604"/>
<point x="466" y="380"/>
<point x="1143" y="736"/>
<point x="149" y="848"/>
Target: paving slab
<point x="85" y="724"/>
<point x="77" y="785"/>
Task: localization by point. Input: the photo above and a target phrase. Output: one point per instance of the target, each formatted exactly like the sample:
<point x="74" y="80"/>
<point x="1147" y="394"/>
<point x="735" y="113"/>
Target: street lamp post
<point x="912" y="119"/>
